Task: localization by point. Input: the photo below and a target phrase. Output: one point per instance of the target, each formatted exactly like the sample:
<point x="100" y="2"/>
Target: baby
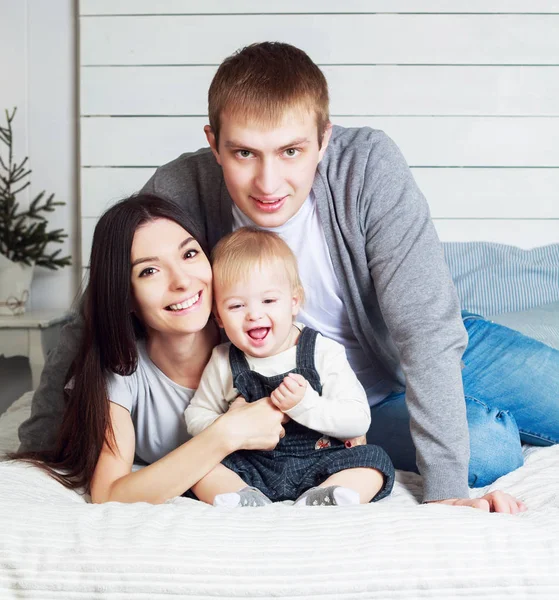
<point x="257" y="295"/>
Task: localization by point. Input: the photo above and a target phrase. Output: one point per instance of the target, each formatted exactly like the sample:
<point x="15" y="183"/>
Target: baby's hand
<point x="290" y="392"/>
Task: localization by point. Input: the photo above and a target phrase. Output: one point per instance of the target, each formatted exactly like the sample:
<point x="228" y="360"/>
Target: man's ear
<point x="210" y="136"/>
<point x="325" y="140"/>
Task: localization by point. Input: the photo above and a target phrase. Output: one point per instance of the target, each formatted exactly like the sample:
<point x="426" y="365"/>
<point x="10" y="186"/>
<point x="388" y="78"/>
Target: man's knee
<point x="495" y="446"/>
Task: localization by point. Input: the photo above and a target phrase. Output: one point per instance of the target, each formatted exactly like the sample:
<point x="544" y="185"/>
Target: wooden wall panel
<point x="149" y="7"/>
<point x="468" y="90"/>
<point x="342" y="39"/>
<point x="383" y="90"/>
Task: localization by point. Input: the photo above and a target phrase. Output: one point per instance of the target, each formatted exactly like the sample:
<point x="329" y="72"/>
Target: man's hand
<point x="289" y="392"/>
<point x="493" y="502"/>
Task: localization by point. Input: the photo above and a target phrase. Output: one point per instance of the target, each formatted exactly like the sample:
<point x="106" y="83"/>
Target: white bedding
<point x="53" y="544"/>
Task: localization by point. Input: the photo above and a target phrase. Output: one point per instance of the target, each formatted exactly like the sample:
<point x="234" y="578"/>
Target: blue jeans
<point x="511" y="387"/>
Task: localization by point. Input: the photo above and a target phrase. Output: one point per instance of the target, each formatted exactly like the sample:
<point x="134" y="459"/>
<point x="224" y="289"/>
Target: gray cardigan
<point x="396" y="287"/>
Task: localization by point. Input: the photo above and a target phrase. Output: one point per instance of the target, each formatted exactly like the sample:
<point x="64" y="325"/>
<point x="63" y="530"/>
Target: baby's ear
<point x="295" y="305"/>
<point x="216" y="315"/>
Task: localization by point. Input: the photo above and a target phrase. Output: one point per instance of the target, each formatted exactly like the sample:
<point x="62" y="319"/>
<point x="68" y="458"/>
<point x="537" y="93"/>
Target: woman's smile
<point x="190" y="303"/>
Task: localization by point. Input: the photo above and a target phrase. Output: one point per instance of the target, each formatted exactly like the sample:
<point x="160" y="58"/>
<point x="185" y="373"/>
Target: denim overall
<point x="304" y="458"/>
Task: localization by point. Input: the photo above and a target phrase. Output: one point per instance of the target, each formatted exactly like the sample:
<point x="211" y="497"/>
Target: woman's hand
<point x="253" y="426"/>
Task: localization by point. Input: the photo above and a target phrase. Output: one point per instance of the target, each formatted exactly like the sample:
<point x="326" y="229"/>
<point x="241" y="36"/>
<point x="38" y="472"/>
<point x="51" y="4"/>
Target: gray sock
<point x="333" y="495"/>
<point x="248" y="496"/>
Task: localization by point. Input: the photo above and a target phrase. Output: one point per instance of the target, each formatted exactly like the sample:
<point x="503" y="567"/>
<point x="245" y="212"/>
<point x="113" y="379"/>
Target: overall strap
<point x="305" y="348"/>
<point x="250" y="384"/>
<point x="237" y="361"/>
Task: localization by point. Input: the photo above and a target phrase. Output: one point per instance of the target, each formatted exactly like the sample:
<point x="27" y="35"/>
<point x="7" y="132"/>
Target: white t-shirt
<point x="324" y="308"/>
<point x="341" y="412"/>
<point x="156" y="405"/>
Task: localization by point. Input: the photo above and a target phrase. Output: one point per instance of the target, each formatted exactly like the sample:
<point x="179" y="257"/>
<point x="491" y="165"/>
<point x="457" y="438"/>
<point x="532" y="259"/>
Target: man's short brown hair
<point x="261" y="81"/>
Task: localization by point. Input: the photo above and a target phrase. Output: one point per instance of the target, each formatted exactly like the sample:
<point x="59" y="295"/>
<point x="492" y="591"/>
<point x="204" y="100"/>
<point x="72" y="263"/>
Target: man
<point x="370" y="261"/>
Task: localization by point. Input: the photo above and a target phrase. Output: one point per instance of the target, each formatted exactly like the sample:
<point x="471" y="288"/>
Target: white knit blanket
<point x="54" y="544"/>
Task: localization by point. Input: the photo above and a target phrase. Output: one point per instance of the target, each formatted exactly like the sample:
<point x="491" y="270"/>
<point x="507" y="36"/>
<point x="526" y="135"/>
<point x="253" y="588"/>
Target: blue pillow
<point x="494" y="278"/>
<point x="541" y="323"/>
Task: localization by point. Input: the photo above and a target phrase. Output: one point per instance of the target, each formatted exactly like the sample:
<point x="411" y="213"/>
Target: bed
<point x="55" y="544"/>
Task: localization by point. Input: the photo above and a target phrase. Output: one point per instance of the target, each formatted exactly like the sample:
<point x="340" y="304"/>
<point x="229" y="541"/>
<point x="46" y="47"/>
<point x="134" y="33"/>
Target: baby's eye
<point x="190" y="253"/>
<point x="147" y="272"/>
<point x="270" y="300"/>
<point x="234" y="306"/>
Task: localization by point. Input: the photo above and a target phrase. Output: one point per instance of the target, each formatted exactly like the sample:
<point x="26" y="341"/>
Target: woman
<point x="147" y="338"/>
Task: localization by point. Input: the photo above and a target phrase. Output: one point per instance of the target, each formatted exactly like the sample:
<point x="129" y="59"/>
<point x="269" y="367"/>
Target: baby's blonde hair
<point x="235" y="256"/>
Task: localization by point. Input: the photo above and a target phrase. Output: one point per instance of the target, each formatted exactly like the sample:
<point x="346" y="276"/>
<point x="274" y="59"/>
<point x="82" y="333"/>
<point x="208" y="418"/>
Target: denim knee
<point x="495" y="446"/>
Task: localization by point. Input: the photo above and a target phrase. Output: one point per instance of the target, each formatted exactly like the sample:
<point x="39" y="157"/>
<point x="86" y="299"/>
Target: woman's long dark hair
<point x="110" y="334"/>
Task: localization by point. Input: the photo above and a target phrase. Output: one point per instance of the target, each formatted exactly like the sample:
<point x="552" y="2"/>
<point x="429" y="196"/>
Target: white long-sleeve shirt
<point x="341" y="412"/>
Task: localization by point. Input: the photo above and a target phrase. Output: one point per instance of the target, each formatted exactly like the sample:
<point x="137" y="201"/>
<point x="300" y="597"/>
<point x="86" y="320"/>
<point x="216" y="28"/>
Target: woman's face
<point x="171" y="279"/>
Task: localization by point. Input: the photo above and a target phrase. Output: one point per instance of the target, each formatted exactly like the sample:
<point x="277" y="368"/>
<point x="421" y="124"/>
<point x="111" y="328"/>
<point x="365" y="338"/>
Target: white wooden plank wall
<point x="468" y="90"/>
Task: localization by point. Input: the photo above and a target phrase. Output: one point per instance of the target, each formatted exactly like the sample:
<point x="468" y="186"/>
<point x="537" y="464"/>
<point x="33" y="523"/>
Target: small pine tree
<point x="23" y="233"/>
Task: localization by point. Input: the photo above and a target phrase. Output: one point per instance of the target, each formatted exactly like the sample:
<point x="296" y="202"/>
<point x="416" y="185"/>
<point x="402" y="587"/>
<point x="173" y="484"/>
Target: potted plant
<point x="24" y="236"/>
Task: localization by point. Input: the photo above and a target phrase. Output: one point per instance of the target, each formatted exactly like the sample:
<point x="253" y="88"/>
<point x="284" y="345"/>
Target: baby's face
<point x="257" y="314"/>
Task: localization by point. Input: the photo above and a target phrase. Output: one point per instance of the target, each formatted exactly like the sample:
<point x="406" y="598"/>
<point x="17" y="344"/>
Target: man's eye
<point x="291" y="152"/>
<point x="147" y="272"/>
<point x="190" y="253"/>
<point x="244" y="153"/>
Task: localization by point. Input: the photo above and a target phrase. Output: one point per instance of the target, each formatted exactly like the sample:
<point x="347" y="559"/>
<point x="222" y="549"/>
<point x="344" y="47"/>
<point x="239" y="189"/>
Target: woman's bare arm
<point x="250" y="426"/>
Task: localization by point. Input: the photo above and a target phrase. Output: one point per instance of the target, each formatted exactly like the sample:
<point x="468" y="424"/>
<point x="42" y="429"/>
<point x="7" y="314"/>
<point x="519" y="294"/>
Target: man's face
<point x="269" y="171"/>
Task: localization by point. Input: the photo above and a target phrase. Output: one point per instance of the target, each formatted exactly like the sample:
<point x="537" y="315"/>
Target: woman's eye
<point x="190" y="253"/>
<point x="244" y="153"/>
<point x="291" y="152"/>
<point x="147" y="272"/>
